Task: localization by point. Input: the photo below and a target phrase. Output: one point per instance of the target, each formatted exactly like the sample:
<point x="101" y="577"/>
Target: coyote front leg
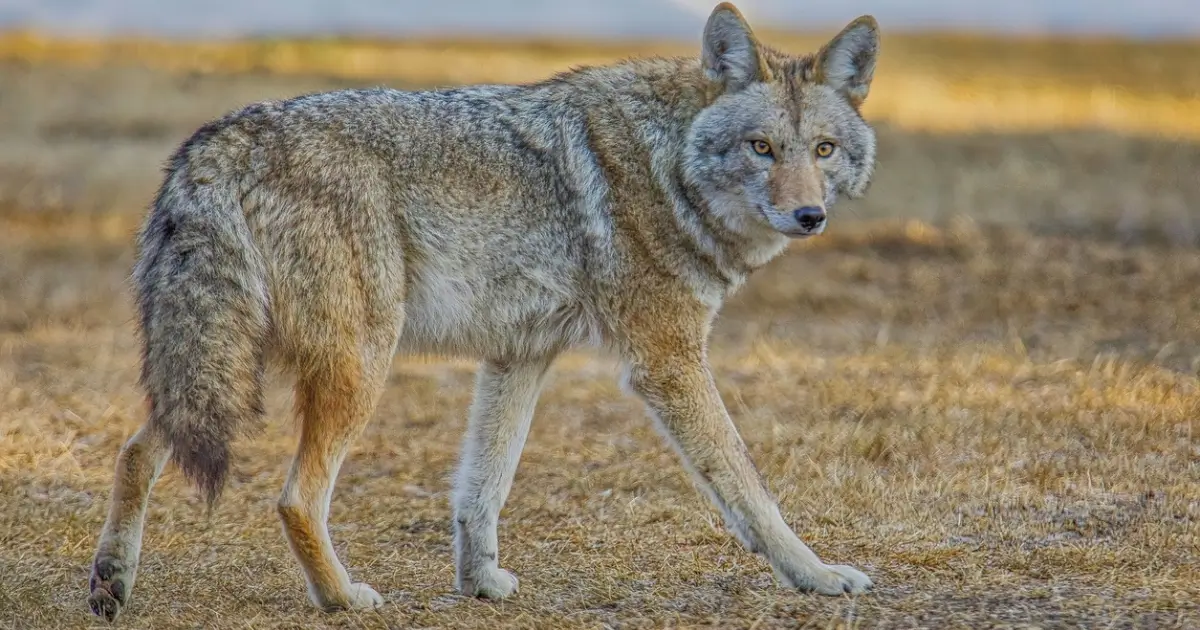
<point x="680" y="392"/>
<point x="505" y="396"/>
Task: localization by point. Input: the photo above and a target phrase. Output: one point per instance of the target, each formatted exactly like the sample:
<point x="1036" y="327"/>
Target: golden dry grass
<point x="939" y="83"/>
<point x="937" y="407"/>
<point x="980" y="387"/>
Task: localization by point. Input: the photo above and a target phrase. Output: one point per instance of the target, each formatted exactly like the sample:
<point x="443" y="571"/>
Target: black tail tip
<point x="207" y="468"/>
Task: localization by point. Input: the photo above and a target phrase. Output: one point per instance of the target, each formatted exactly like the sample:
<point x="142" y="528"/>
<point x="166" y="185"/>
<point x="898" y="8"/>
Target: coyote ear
<point x="730" y="53"/>
<point x="847" y="62"/>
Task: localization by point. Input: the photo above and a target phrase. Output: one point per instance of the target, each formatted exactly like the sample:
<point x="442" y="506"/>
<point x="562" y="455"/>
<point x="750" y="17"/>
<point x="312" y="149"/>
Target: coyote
<point x="609" y="207"/>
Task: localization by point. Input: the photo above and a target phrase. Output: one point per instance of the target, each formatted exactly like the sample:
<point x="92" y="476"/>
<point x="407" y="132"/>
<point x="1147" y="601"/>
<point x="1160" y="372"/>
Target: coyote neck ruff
<point x="615" y="207"/>
<point x="680" y="232"/>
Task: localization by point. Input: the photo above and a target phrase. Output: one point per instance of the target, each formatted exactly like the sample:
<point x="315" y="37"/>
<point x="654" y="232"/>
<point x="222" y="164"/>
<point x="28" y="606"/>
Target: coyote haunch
<point x="613" y="207"/>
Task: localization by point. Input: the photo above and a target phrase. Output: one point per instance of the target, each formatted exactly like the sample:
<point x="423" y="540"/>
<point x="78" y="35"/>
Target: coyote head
<point x="781" y="136"/>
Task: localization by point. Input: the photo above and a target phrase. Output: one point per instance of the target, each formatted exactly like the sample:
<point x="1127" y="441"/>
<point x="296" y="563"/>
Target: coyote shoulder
<point x="613" y="207"/>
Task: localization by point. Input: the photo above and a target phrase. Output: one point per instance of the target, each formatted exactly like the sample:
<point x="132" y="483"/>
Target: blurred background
<point x="1005" y="332"/>
<point x="580" y="18"/>
<point x="95" y="92"/>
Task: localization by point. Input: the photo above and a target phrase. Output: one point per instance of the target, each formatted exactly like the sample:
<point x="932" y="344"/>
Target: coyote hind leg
<point x="334" y="404"/>
<point x="115" y="565"/>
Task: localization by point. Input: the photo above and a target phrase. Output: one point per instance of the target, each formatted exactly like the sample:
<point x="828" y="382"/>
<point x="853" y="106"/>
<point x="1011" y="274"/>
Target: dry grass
<point x="981" y="387"/>
<point x="939" y="83"/>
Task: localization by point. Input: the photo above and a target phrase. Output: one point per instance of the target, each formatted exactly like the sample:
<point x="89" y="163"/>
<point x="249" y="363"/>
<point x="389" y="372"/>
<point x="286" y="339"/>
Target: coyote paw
<point x="829" y="579"/>
<point x="360" y="596"/>
<point x="846" y="580"/>
<point x="109" y="588"/>
<point x="363" y="596"/>
<point x="494" y="583"/>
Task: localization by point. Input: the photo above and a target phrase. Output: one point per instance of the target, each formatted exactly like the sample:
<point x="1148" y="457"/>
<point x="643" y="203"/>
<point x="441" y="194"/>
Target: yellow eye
<point x="825" y="149"/>
<point x="761" y="147"/>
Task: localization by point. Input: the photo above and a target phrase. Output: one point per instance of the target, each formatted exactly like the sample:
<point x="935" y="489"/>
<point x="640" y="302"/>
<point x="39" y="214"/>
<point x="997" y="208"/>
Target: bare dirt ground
<point x="980" y="387"/>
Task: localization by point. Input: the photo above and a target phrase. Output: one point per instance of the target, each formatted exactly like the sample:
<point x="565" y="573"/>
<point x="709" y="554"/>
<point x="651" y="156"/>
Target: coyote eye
<point x="761" y="147"/>
<point x="825" y="149"/>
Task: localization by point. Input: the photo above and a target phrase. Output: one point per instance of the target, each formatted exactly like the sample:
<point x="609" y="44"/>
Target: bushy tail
<point x="202" y="292"/>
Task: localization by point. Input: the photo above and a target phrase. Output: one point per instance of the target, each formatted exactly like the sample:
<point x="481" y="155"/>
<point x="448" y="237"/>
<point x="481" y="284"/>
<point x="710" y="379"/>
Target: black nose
<point x="810" y="217"/>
